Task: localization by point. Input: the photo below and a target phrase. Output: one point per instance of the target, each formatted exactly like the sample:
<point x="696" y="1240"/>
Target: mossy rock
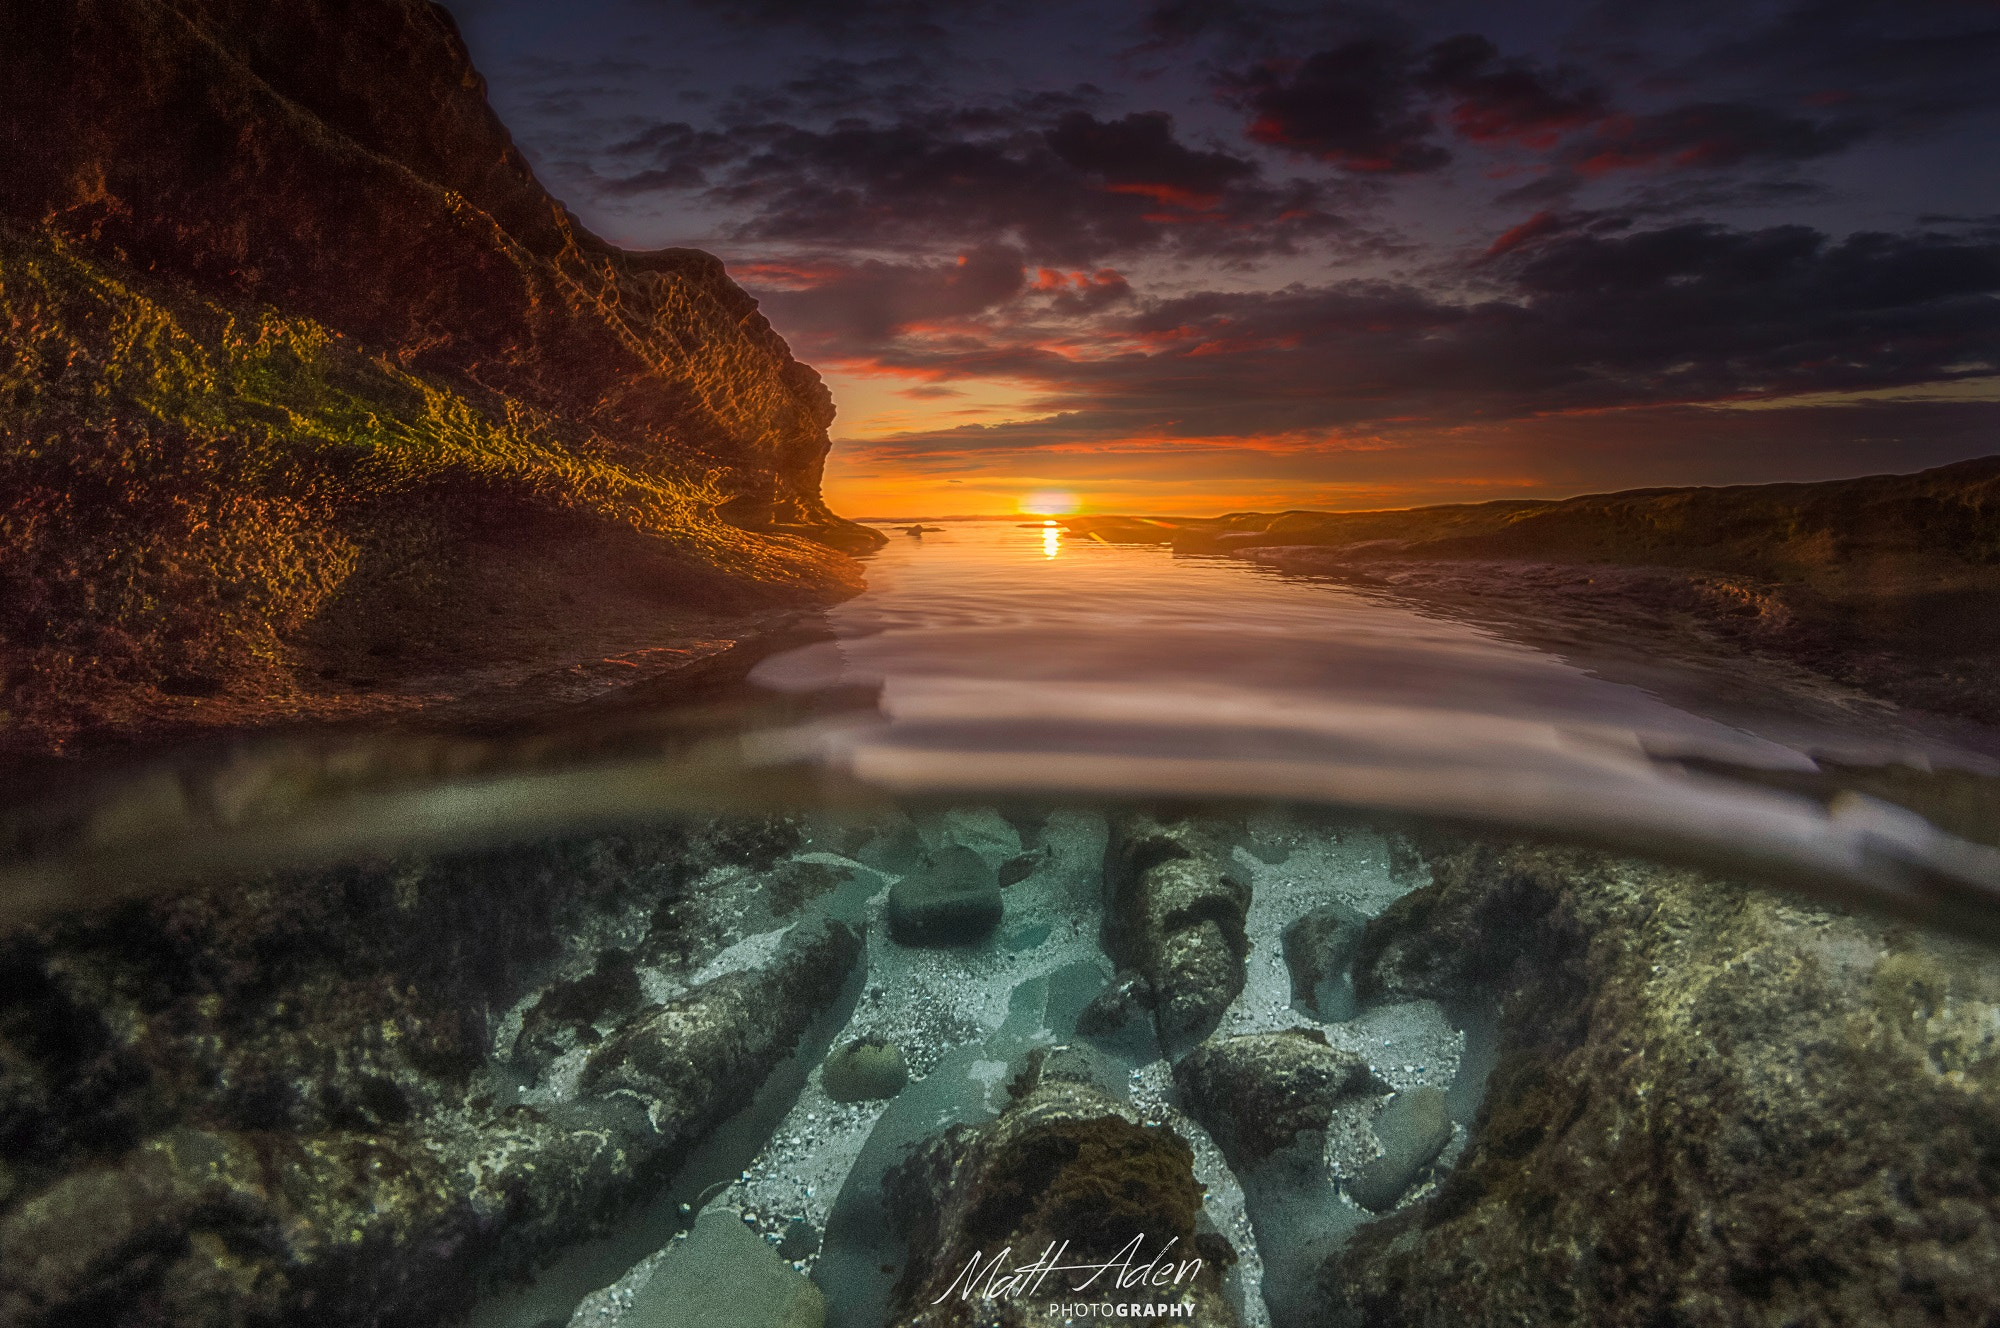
<point x="865" y="1071"/>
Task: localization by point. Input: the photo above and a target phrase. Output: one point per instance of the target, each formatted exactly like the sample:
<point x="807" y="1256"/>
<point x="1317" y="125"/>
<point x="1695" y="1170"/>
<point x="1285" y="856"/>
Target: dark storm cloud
<point x="1909" y="64"/>
<point x="1371" y="106"/>
<point x="1354" y="106"/>
<point x="1583" y="319"/>
<point x="1495" y="100"/>
<point x="1060" y="183"/>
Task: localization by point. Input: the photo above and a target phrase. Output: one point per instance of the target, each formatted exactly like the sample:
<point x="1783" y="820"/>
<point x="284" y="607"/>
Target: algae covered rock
<point x="684" y="1063"/>
<point x="1066" y="1165"/>
<point x="865" y="1070"/>
<point x="568" y="1013"/>
<point x="722" y="1275"/>
<point x="1413" y="1129"/>
<point x="1319" y="951"/>
<point x="1258" y="1092"/>
<point x="955" y="901"/>
<point x="1711" y="1105"/>
<point x="1174" y="915"/>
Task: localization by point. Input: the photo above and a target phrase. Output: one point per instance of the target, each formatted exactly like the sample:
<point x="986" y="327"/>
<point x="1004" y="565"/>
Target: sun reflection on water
<point x="1051" y="539"/>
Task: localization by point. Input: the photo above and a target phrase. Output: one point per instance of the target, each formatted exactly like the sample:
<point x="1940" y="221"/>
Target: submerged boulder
<point x="1258" y="1092"/>
<point x="1066" y="1166"/>
<point x="1711" y="1105"/>
<point x="722" y="1275"/>
<point x="684" y="1063"/>
<point x="1174" y="914"/>
<point x="1413" y="1129"/>
<point x="955" y="901"/>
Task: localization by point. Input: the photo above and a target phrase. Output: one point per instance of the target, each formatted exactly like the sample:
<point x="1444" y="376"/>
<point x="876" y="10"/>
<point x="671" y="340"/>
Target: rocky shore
<point x="314" y="405"/>
<point x="1886" y="586"/>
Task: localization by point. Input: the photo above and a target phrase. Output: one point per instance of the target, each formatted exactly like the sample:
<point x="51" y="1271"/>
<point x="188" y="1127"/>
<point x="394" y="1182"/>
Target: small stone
<point x="800" y="1242"/>
<point x="866" y="1070"/>
<point x="956" y="902"/>
<point x="724" y="1276"/>
<point x="1019" y="868"/>
<point x="1413" y="1130"/>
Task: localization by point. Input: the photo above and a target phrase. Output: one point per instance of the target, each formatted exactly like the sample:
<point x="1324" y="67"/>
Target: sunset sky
<point x="1190" y="256"/>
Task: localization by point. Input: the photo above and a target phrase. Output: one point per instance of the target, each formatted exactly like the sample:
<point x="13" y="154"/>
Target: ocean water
<point x="1048" y="712"/>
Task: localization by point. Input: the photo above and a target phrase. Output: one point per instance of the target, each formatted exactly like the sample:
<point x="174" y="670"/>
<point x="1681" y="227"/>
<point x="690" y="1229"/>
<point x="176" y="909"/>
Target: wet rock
<point x="567" y="1015"/>
<point x="1413" y="1129"/>
<point x="268" y="1101"/>
<point x="1256" y="1093"/>
<point x="1019" y="868"/>
<point x="685" y="1063"/>
<point x="800" y="1240"/>
<point x="1065" y="1162"/>
<point x="1710" y="1105"/>
<point x="1174" y="915"/>
<point x="722" y="1275"/>
<point x="865" y="1070"/>
<point x="897" y="849"/>
<point x="955" y="901"/>
<point x="790" y="886"/>
<point x="1319" y="951"/>
<point x="1074" y="1062"/>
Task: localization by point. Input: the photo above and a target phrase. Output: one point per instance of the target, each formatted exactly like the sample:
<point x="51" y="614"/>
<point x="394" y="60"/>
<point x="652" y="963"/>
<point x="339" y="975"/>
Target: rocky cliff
<point x="293" y="333"/>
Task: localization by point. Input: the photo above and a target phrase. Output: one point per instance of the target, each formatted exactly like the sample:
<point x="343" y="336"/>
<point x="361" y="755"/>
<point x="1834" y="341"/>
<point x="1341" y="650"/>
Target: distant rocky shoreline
<point x="1887" y="585"/>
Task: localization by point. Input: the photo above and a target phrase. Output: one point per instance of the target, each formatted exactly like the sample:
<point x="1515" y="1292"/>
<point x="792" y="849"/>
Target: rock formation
<point x="298" y="351"/>
<point x="1174" y="917"/>
<point x="279" y="1102"/>
<point x="1711" y="1106"/>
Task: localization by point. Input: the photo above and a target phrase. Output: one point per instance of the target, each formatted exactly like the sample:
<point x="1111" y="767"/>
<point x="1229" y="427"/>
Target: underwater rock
<point x="1319" y="951"/>
<point x="1174" y="914"/>
<point x="1065" y="1162"/>
<point x="685" y="1063"/>
<point x="955" y="901"/>
<point x="1711" y="1105"/>
<point x="864" y="1071"/>
<point x="567" y="1014"/>
<point x="800" y="1240"/>
<point x="1413" y="1129"/>
<point x="1019" y="868"/>
<point x="1120" y="1020"/>
<point x="1256" y="1093"/>
<point x="722" y="1275"/>
<point x="897" y="850"/>
<point x="981" y="829"/>
<point x="278" y="1101"/>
